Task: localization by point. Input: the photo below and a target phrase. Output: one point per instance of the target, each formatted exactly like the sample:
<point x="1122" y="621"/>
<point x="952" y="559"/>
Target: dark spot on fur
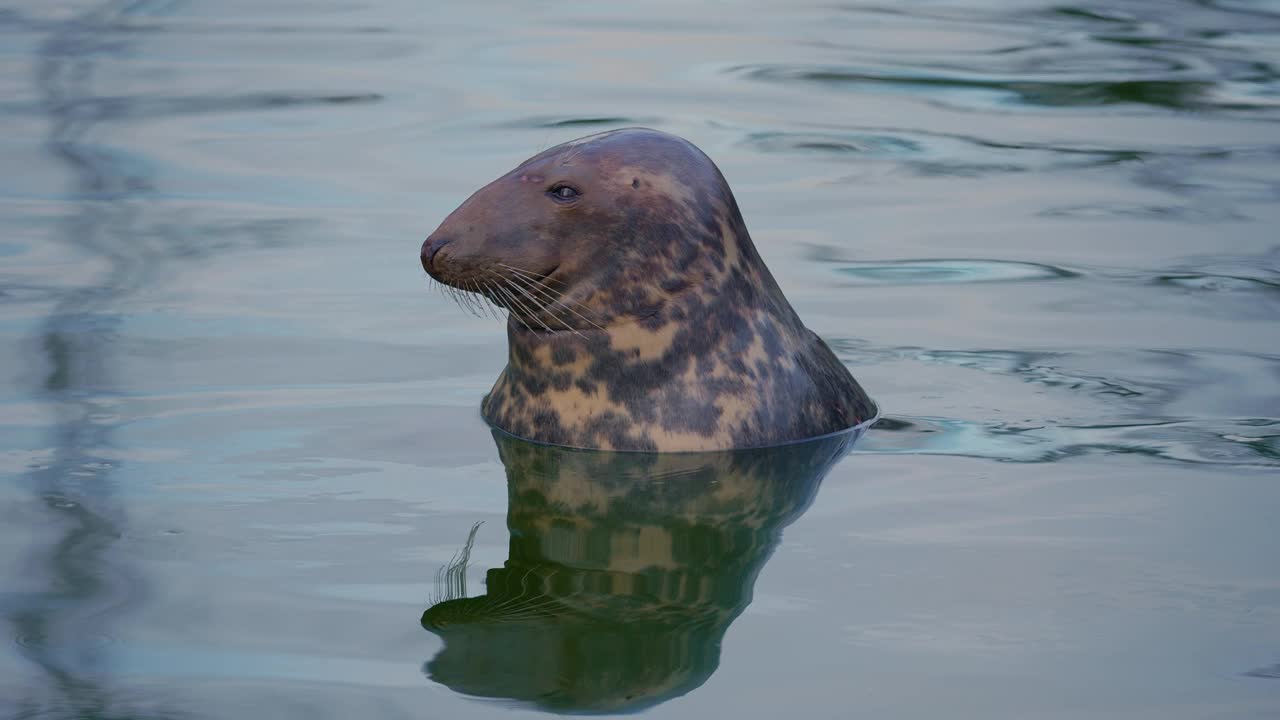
<point x="561" y="380"/>
<point x="609" y="427"/>
<point x="773" y="346"/>
<point x="705" y="365"/>
<point x="684" y="412"/>
<point x="644" y="443"/>
<point x="562" y="354"/>
<point x="546" y="423"/>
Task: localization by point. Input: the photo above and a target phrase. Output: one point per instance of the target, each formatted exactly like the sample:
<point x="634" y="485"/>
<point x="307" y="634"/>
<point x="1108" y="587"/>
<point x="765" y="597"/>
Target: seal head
<point x="640" y="316"/>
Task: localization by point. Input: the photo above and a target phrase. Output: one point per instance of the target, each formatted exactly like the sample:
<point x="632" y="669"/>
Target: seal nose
<point x="430" y="247"/>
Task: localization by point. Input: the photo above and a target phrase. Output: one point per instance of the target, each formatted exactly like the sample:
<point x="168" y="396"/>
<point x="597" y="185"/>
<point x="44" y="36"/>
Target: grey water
<point x="242" y="468"/>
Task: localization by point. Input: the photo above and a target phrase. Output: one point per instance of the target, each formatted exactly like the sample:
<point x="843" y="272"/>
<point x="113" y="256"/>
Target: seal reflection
<point x="624" y="571"/>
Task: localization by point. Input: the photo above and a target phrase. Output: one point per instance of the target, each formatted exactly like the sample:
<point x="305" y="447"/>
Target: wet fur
<point x="679" y="339"/>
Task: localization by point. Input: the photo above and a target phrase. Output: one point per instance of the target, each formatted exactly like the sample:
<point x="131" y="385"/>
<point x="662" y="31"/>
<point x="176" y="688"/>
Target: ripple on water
<point x="1206" y="282"/>
<point x="829" y="143"/>
<point x="584" y="121"/>
<point x="930" y="272"/>
<point x="1166" y="213"/>
<point x="1214" y="274"/>
<point x="119" y="108"/>
<point x="1043" y="368"/>
<point x="1271" y="672"/>
<point x="935" y="154"/>
<point x="1057" y="57"/>
<point x="1174" y="88"/>
<point x="1245" y="442"/>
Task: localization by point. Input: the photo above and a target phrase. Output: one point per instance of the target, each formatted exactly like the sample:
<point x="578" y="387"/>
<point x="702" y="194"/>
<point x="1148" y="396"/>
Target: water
<point x="240" y="453"/>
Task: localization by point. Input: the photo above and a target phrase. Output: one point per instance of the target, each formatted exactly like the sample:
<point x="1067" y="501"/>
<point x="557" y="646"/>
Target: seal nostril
<point x="430" y="249"/>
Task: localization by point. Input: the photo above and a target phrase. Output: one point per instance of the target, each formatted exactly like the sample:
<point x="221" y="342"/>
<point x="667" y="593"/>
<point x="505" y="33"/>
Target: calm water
<point x="242" y="470"/>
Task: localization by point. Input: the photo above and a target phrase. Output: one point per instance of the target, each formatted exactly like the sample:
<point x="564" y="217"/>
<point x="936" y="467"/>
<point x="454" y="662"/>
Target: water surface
<point x="239" y="437"/>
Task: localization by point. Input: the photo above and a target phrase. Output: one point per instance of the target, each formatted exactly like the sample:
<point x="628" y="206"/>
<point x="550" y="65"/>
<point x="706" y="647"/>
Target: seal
<point x="639" y="313"/>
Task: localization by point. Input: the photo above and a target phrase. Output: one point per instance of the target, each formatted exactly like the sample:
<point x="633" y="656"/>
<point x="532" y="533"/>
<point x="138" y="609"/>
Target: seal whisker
<point x="464" y="301"/>
<point x="477" y="298"/>
<point x="491" y="304"/>
<point x="453" y="294"/>
<point x="517" y="603"/>
<point x="541" y="282"/>
<point x="524" y="590"/>
<point x="549" y="308"/>
<point x="550" y="300"/>
<point x="533" y="275"/>
<point x="482" y="296"/>
<point x="486" y="307"/>
<point x="517" y="314"/>
<point x="535" y="303"/>
<point x="511" y="309"/>
<point x="470" y="301"/>
<point x="460" y="300"/>
<point x="499" y="304"/>
<point x="557" y="298"/>
<point x="520" y="612"/>
<point x="530" y="277"/>
<point x="505" y="296"/>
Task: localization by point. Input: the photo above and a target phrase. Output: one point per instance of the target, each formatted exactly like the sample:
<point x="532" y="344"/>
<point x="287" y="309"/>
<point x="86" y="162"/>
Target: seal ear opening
<point x="635" y="183"/>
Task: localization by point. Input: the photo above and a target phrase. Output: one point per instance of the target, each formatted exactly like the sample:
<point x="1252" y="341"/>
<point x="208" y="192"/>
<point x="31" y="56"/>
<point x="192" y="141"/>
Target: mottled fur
<point x="651" y="322"/>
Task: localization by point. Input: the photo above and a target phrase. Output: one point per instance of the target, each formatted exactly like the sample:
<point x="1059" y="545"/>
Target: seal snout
<point x="430" y="248"/>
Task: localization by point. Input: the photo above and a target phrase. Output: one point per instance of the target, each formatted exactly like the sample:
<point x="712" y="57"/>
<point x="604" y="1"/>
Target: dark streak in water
<point x="87" y="583"/>
<point x="601" y="121"/>
<point x="1217" y="283"/>
<point x="927" y="271"/>
<point x="833" y="143"/>
<point x="1162" y="93"/>
<point x="1166" y="213"/>
<point x="933" y="271"/>
<point x="123" y="108"/>
<point x="944" y="154"/>
<point x="1271" y="672"/>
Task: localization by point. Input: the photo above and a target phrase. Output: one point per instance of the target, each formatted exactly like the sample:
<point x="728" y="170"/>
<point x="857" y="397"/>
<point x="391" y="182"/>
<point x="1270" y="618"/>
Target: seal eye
<point x="564" y="193"/>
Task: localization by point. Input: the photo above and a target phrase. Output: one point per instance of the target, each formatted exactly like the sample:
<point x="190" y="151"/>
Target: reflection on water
<point x="60" y="627"/>
<point x="624" y="572"/>
<point x="1243" y="441"/>
<point x="948" y="271"/>
<point x="1068" y="57"/>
